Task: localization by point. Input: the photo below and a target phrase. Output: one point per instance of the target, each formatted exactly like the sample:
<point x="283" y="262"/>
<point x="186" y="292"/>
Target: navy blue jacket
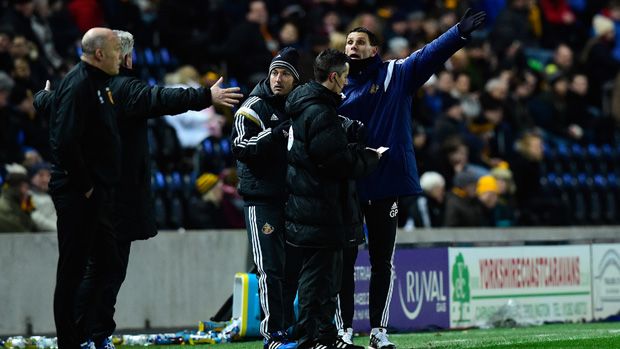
<point x="380" y="97"/>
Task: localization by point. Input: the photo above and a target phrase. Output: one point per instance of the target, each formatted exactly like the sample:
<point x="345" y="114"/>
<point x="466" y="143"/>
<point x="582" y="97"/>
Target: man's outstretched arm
<point x="142" y="100"/>
<point x="420" y="65"/>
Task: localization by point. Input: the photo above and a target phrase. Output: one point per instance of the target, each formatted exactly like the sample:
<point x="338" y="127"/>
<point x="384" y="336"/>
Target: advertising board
<point x="531" y="284"/>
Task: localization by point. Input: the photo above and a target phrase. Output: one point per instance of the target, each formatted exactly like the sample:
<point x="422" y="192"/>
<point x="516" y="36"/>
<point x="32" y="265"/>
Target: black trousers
<point x="344" y="312"/>
<point x="100" y="318"/>
<point x="381" y="221"/>
<point x="265" y="227"/>
<point x="319" y="284"/>
<point x="83" y="225"/>
<point x="292" y="267"/>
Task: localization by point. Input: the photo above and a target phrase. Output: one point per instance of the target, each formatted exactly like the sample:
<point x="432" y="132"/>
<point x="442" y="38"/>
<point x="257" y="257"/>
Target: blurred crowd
<point x="521" y="127"/>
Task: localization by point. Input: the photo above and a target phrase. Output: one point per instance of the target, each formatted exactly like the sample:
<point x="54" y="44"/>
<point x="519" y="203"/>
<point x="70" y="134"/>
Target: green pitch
<point x="599" y="336"/>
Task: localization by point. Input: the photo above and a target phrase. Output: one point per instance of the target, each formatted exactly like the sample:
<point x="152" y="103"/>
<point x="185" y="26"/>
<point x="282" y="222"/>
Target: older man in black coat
<point x="135" y="102"/>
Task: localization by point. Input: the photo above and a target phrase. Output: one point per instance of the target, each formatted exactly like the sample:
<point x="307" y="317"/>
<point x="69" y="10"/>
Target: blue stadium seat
<point x="159" y="206"/>
<point x="563" y="158"/>
<point x="135" y="59"/>
<point x="164" y="56"/>
<point x="614" y="187"/>
<point x="149" y="57"/>
<point x="158" y="182"/>
<point x="189" y="180"/>
<point x="597" y="159"/>
<point x="174" y="183"/>
<point x="176" y="213"/>
<point x="598" y="186"/>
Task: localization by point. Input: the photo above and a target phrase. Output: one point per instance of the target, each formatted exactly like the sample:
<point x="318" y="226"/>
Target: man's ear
<point x="331" y="76"/>
<point x="374" y="51"/>
<point x="98" y="54"/>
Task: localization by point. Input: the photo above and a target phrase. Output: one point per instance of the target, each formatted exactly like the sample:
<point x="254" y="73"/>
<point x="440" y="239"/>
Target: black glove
<point x="280" y="132"/>
<point x="471" y="22"/>
<point x="355" y="130"/>
<point x="360" y="132"/>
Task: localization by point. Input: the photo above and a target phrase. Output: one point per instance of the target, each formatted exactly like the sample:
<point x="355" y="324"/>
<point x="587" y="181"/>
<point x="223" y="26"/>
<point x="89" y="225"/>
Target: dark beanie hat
<point x="287" y="58"/>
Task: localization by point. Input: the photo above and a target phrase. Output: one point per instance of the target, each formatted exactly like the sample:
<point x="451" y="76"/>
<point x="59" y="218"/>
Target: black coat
<point x="261" y="153"/>
<point x="323" y="208"/>
<point x="135" y="103"/>
<point x="84" y="138"/>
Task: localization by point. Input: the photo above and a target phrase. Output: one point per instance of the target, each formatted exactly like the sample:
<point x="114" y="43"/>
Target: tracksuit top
<point x="380" y="96"/>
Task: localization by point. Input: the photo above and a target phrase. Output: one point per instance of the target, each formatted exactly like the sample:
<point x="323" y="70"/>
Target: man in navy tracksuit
<point x="379" y="95"/>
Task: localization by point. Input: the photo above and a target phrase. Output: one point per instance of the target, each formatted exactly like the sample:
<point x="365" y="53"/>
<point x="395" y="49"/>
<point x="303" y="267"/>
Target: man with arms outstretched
<point x="379" y="94"/>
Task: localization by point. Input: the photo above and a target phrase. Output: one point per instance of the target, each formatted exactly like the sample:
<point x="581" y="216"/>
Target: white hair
<point x="127" y="42"/>
<point x="493" y="84"/>
<point x="430" y="180"/>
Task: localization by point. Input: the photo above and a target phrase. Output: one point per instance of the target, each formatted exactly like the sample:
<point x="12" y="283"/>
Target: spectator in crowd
<point x="249" y="46"/>
<point x="207" y="211"/>
<point x="452" y="157"/>
<point x="505" y="210"/>
<point x="451" y="123"/>
<point x="259" y="138"/>
<point x="15" y="202"/>
<point x="487" y="194"/>
<point x="470" y="103"/>
<point x="322" y="212"/>
<point x="560" y="20"/>
<point x="31" y="157"/>
<point x="44" y="215"/>
<point x="523" y="92"/>
<point x="6" y="39"/>
<point x="550" y="111"/>
<point x="215" y="152"/>
<point x="535" y="206"/>
<point x="562" y="61"/>
<point x="233" y="202"/>
<point x="462" y="208"/>
<point x="9" y="123"/>
<point x="597" y="57"/>
<point x="580" y="113"/>
<point x="513" y="29"/>
<point x="20" y="17"/>
<point x="493" y="134"/>
<point x="427" y="211"/>
<point x="290" y="36"/>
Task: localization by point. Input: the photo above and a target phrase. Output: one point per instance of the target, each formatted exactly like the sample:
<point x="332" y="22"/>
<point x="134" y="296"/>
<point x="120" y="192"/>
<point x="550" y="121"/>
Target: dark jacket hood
<point x="308" y="94"/>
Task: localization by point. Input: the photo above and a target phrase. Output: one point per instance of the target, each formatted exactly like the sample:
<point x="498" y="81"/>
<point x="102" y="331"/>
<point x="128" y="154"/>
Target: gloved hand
<point x="471" y="21"/>
<point x="280" y="132"/>
<point x="355" y="130"/>
<point x="359" y="130"/>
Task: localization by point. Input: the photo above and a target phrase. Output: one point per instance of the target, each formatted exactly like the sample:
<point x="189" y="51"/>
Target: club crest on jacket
<point x="268" y="229"/>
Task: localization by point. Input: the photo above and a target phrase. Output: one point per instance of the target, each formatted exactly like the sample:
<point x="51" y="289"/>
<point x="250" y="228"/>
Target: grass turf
<point x="599" y="336"/>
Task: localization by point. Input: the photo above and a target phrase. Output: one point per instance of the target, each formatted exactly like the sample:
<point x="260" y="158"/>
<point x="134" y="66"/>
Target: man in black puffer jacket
<point x="259" y="144"/>
<point x="322" y="212"/>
